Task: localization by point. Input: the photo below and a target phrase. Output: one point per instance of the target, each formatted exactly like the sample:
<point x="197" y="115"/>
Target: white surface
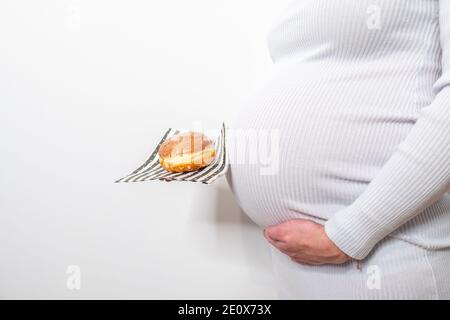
<point x="86" y="89"/>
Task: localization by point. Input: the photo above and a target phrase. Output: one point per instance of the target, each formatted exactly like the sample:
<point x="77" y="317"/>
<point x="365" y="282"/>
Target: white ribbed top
<point x="360" y="101"/>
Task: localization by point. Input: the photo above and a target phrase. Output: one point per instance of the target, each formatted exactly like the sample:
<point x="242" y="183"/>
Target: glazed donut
<point x="186" y="152"/>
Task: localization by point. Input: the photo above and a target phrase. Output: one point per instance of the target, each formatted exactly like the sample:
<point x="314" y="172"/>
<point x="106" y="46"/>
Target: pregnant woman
<point x="359" y="105"/>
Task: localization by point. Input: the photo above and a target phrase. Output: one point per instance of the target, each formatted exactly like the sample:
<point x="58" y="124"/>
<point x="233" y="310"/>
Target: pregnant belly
<point x="305" y="149"/>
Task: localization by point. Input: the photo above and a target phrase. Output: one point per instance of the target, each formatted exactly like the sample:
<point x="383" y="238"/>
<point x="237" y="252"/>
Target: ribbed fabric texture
<point x="394" y="270"/>
<point x="359" y="101"/>
<point x="418" y="173"/>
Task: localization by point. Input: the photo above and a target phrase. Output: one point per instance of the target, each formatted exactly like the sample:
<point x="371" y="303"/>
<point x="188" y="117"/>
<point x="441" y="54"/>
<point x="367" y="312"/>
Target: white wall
<point x="86" y="90"/>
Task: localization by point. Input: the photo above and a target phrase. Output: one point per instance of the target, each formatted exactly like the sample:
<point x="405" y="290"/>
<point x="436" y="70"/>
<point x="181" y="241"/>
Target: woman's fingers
<point x="275" y="233"/>
<point x="274" y="239"/>
<point x="304" y="242"/>
<point x="277" y="237"/>
<point x="288" y="253"/>
<point x="280" y="245"/>
<point x="308" y="263"/>
<point x="302" y="259"/>
<point x="295" y="256"/>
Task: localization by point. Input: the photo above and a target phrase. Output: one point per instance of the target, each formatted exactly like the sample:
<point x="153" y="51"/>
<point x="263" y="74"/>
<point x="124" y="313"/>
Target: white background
<point x="86" y="90"/>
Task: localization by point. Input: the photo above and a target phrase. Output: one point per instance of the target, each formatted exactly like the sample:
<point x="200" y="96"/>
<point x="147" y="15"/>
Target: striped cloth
<point x="152" y="170"/>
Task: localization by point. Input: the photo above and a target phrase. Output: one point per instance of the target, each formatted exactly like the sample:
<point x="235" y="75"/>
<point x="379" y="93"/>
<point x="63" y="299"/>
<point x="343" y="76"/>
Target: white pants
<point x="394" y="270"/>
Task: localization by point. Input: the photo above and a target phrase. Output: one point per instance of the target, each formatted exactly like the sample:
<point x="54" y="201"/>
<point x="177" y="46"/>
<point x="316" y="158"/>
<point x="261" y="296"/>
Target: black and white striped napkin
<point x="152" y="170"/>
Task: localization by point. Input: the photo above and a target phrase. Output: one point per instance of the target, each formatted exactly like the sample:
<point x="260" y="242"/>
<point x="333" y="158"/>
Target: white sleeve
<point x="416" y="176"/>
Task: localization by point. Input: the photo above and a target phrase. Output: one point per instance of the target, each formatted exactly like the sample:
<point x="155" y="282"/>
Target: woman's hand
<point x="305" y="242"/>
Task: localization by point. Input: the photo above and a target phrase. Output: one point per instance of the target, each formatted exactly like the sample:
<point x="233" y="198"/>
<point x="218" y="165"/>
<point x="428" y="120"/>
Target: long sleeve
<point x="416" y="176"/>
